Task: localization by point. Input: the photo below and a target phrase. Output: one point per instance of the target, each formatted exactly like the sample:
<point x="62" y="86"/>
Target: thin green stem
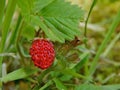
<point x="91" y="8"/>
<point x="104" y="43"/>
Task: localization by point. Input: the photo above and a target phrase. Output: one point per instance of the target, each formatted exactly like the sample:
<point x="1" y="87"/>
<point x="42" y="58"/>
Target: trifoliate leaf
<point x="57" y="18"/>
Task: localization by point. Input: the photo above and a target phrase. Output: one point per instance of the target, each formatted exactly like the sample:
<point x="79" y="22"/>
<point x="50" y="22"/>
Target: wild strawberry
<point x="42" y="53"/>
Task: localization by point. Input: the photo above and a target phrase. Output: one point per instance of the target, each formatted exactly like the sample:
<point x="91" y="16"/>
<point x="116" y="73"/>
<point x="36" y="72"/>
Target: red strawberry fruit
<point x="42" y="53"/>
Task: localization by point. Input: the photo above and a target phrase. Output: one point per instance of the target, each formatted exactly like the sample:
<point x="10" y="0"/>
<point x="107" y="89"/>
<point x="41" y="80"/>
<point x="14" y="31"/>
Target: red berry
<point x="42" y="53"/>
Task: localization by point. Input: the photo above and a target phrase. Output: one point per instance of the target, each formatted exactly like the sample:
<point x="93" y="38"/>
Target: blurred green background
<point x="99" y="22"/>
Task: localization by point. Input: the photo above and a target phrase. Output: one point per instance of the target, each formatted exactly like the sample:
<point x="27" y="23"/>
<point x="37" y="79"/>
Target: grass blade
<point x="46" y="85"/>
<point x="6" y="23"/>
<point x="59" y="84"/>
<point x="111" y="45"/>
<point x="2" y="5"/>
<point x="19" y="74"/>
<point x="104" y="43"/>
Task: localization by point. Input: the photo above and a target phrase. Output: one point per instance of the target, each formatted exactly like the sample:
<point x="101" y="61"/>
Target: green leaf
<point x="72" y="73"/>
<point x="73" y="25"/>
<point x="57" y="18"/>
<point x="26" y="7"/>
<point x="57" y="33"/>
<point x="104" y="43"/>
<point x="95" y="87"/>
<point x="60" y="8"/>
<point x="14" y="34"/>
<point x="23" y="52"/>
<point x="83" y="60"/>
<point x="40" y="4"/>
<point x="87" y="87"/>
<point x="59" y="84"/>
<point x="66" y="77"/>
<point x="2" y="6"/>
<point x="55" y="74"/>
<point x="61" y="27"/>
<point x="36" y="20"/>
<point x="19" y="74"/>
<point x="46" y="85"/>
<point x="5" y="27"/>
<point x="111" y="87"/>
<point x="28" y="29"/>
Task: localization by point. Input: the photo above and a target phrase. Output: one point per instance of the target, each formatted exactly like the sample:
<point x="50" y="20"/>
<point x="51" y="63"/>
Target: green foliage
<point x="104" y="43"/>
<point x="2" y="5"/>
<point x="72" y="12"/>
<point x="28" y="29"/>
<point x="58" y="24"/>
<point x="5" y="26"/>
<point x="84" y="59"/>
<point x="59" y="84"/>
<point x="19" y="74"/>
<point x="93" y="87"/>
<point x="45" y="86"/>
<point x="73" y="73"/>
<point x="87" y="87"/>
<point x="13" y="37"/>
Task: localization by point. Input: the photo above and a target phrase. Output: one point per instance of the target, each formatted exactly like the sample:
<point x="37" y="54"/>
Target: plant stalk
<point x="104" y="43"/>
